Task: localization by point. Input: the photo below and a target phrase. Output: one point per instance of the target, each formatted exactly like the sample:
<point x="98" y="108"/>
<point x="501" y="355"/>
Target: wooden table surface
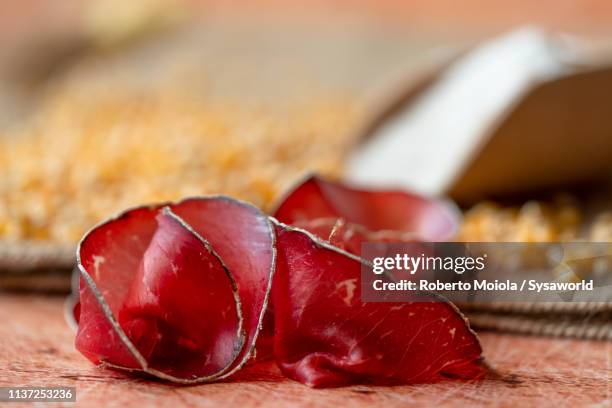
<point x="36" y="349"/>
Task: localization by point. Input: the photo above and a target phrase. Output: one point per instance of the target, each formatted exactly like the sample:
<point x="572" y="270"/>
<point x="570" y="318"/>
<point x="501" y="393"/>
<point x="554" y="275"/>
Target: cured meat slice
<point x="108" y="257"/>
<point x="157" y="297"/>
<point x="182" y="312"/>
<point x="316" y="198"/>
<point x="181" y="291"/>
<point x="244" y="239"/>
<point x="326" y="336"/>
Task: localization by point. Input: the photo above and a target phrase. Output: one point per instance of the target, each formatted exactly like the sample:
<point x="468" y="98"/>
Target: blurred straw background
<point x="106" y="104"/>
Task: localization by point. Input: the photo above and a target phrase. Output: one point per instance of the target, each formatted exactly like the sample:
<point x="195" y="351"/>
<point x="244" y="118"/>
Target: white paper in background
<point x="428" y="143"/>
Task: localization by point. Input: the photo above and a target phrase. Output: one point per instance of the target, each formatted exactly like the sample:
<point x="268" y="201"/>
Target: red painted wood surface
<point x="36" y="349"/>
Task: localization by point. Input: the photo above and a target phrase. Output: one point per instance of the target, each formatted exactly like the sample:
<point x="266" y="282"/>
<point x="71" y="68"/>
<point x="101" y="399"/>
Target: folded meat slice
<point x="181" y="291"/>
<point x="244" y="239"/>
<point x="182" y="311"/>
<point x="326" y="336"/>
<point x="108" y="258"/>
<point x="395" y="210"/>
<point x="157" y="296"/>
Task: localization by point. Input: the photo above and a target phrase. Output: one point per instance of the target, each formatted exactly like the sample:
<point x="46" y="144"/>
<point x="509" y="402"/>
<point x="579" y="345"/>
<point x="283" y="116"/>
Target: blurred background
<point x="106" y="104"/>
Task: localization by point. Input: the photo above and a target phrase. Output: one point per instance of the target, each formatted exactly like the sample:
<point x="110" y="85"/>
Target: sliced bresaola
<point x="316" y="199"/>
<point x="326" y="336"/>
<point x="164" y="291"/>
<point x="180" y="291"/>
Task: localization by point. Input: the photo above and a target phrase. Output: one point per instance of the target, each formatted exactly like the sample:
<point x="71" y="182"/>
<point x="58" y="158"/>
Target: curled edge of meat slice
<point x="349" y="236"/>
<point x="128" y="356"/>
<point x="321" y="360"/>
<point x="314" y="197"/>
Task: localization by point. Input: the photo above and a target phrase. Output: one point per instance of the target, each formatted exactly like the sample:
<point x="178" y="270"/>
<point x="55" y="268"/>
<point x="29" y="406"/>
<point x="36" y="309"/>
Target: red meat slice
<point x="157" y="297"/>
<point x="108" y="258"/>
<point x="316" y="198"/>
<point x="244" y="239"/>
<point x="181" y="312"/>
<point x="181" y="291"/>
<point x="325" y="336"/>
